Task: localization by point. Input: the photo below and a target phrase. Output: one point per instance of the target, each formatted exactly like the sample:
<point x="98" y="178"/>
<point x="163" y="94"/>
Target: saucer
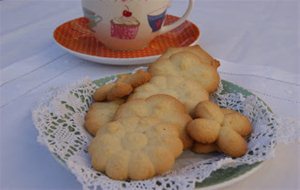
<point x="75" y="37"/>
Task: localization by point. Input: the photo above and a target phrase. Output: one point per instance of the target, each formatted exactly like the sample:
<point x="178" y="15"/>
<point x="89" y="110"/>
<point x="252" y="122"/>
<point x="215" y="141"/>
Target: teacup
<point x="129" y="24"/>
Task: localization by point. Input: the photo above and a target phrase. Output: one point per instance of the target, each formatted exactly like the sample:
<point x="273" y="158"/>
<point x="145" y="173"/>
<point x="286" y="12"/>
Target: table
<point x="260" y="39"/>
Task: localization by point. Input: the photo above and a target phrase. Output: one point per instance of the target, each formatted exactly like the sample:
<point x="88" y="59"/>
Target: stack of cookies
<point x="143" y="121"/>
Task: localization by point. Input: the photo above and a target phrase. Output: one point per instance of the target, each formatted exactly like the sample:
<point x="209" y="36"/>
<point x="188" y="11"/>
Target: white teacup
<point x="129" y="24"/>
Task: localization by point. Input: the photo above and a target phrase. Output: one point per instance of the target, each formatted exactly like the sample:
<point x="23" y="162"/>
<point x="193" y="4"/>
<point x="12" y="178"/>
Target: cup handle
<point x="174" y="25"/>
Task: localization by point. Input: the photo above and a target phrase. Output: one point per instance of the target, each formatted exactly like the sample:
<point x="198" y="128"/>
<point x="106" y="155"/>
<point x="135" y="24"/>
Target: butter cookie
<point x="135" y="148"/>
<point x="99" y="114"/>
<point x="204" y="130"/>
<point x="136" y="79"/>
<point x="188" y="66"/>
<point x="122" y="87"/>
<point x="167" y="108"/>
<point x="204" y="148"/>
<point x="203" y="56"/>
<point x="209" y="110"/>
<point x="226" y="128"/>
<point x="238" y="122"/>
<point x="231" y="143"/>
<point x="189" y="92"/>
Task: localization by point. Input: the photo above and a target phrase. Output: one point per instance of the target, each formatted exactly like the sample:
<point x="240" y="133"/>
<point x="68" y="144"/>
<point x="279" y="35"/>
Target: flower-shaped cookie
<point x="226" y="128"/>
<point x="189" y="66"/>
<point x="122" y="87"/>
<point x="189" y="92"/>
<point x="99" y="114"/>
<point x="135" y="148"/>
<point x="164" y="107"/>
<point x="203" y="56"/>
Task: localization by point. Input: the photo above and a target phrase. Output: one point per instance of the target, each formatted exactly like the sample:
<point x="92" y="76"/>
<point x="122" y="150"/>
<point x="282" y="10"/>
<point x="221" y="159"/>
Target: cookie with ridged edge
<point x="124" y="85"/>
<point x="99" y="114"/>
<point x="209" y="110"/>
<point x="238" y="122"/>
<point x="112" y="91"/>
<point x="164" y="107"/>
<point x="136" y="79"/>
<point x="204" y="131"/>
<point x="231" y="143"/>
<point x="232" y="131"/>
<point x="201" y="148"/>
<point x="203" y="56"/>
<point x="189" y="66"/>
<point x="226" y="111"/>
<point x="135" y="148"/>
<point x="189" y="92"/>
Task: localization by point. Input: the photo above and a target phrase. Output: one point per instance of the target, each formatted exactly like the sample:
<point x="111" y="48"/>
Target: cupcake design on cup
<point x="125" y="27"/>
<point x="156" y="18"/>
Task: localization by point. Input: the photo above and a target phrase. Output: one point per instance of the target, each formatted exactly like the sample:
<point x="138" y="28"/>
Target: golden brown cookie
<point x="189" y="92"/>
<point x="203" y="56"/>
<point x="112" y="91"/>
<point x="188" y="66"/>
<point x="122" y="87"/>
<point x="204" y="148"/>
<point x="136" y="79"/>
<point x="231" y="143"/>
<point x="209" y="110"/>
<point x="204" y="130"/>
<point x="135" y="148"/>
<point x="99" y="114"/>
<point x="167" y="108"/>
<point x="238" y="122"/>
<point x="226" y="111"/>
<point x="233" y="128"/>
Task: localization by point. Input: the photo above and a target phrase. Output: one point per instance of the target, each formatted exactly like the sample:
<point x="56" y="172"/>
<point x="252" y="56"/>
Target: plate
<point x="221" y="177"/>
<point x="60" y="127"/>
<point x="75" y="37"/>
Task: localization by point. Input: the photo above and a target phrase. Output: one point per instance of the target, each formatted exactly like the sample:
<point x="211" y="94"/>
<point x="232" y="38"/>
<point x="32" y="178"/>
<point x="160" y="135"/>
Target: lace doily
<point x="59" y="121"/>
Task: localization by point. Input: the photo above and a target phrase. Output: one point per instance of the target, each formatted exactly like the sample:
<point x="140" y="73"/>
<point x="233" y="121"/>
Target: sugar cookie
<point x="135" y="148"/>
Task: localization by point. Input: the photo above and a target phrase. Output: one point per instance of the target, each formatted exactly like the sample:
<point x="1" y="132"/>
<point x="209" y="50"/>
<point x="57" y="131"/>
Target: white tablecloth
<point x="259" y="39"/>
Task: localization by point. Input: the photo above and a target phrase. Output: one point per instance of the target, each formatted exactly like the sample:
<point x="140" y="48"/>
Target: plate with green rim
<point x="221" y="177"/>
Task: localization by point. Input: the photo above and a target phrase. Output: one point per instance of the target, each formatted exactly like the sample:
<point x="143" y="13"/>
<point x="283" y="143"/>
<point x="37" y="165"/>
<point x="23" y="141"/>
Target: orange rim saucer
<point x="75" y="37"/>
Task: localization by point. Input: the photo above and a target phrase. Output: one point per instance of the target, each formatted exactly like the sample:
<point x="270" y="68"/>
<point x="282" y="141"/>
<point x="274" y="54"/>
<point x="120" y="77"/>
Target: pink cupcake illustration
<point x="125" y="27"/>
